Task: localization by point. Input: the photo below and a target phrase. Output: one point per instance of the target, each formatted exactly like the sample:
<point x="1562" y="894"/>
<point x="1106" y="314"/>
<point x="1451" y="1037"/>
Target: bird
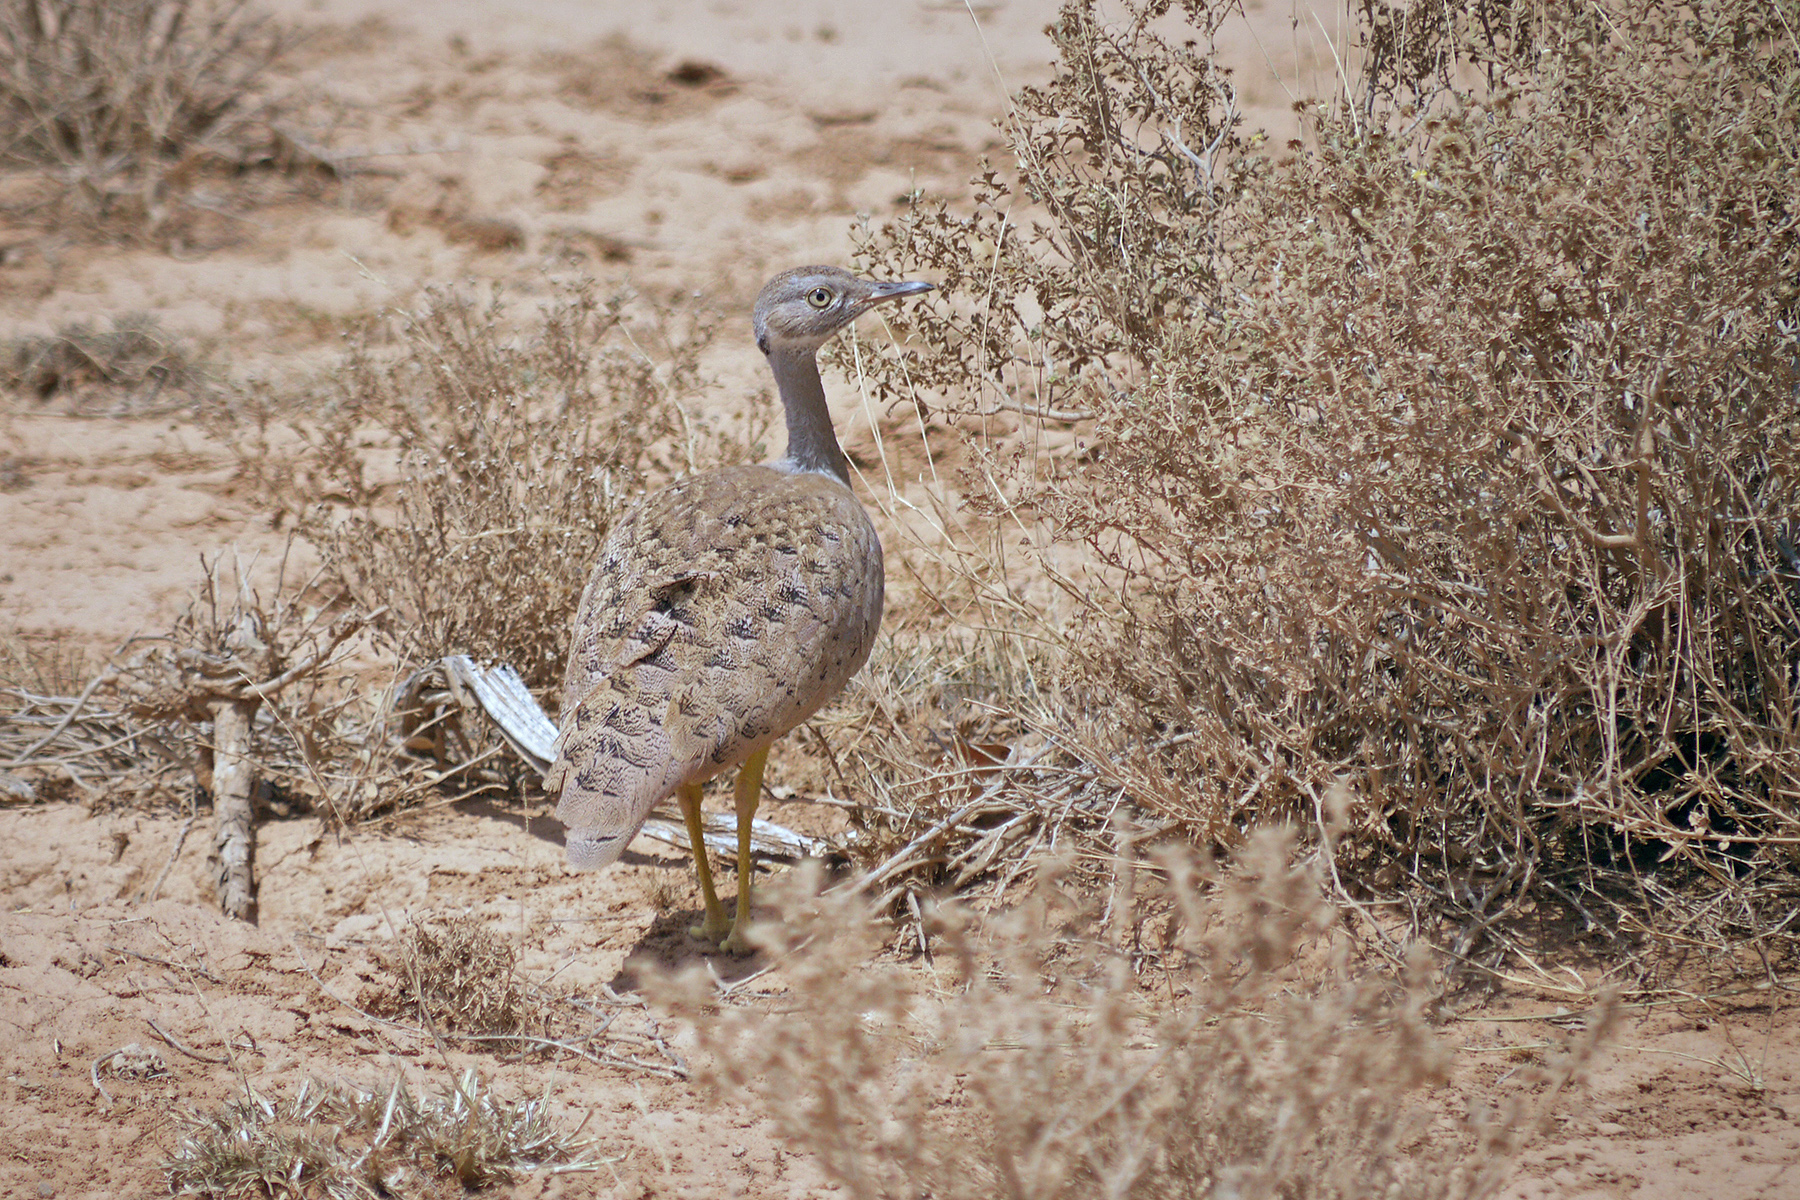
<point x="723" y="610"/>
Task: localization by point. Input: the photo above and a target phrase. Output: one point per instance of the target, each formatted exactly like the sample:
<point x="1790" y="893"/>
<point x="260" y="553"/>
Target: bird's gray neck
<point x="812" y="444"/>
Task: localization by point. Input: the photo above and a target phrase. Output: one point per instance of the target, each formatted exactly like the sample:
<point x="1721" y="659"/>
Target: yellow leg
<point x="749" y="791"/>
<point x="716" y="924"/>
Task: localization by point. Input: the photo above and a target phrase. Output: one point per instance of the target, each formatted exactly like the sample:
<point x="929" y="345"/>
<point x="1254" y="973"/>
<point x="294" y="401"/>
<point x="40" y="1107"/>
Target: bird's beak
<point x="898" y="288"/>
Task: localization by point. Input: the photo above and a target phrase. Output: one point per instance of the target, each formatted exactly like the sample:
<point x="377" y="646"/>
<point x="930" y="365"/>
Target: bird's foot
<point x="735" y="942"/>
<point x="712" y="929"/>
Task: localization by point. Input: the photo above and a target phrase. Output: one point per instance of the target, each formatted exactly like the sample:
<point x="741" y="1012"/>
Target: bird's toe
<point x="711" y="930"/>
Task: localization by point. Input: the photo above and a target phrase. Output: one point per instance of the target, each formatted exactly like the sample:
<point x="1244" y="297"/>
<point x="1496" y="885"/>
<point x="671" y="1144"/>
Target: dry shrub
<point x="1201" y="1035"/>
<point x="341" y="1141"/>
<point x="280" y="647"/>
<point x="141" y="728"/>
<point x="38" y="667"/>
<point x="460" y="982"/>
<point x="456" y="976"/>
<point x="1452" y="453"/>
<point x="120" y="112"/>
<point x="961" y="759"/>
<point x="133" y="368"/>
<point x="465" y="479"/>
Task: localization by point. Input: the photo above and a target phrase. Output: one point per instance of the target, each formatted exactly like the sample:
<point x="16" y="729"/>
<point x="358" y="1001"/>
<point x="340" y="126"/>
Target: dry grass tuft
<point x="460" y="982"/>
<point x="131" y="369"/>
<point x="1191" y="1033"/>
<point x="457" y="976"/>
<point x="131" y="116"/>
<point x="41" y="666"/>
<point x="343" y="1142"/>
<point x="1451" y="453"/>
<point x="39" y="680"/>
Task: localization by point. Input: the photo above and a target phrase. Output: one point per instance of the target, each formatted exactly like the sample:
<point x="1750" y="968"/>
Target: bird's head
<point x="799" y="309"/>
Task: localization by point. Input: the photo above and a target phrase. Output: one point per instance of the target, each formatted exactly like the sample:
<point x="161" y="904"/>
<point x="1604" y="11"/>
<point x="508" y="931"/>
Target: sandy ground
<point x="575" y="126"/>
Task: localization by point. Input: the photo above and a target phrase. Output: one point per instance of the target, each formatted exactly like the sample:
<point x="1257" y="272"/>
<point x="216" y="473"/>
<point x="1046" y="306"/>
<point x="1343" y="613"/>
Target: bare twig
<point x="165" y="1036"/>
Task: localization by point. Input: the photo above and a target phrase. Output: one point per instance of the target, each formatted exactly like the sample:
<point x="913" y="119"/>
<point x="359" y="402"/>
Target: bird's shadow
<point x="668" y="946"/>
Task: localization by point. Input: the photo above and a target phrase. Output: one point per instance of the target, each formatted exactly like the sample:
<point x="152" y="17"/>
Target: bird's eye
<point x="819" y="297"/>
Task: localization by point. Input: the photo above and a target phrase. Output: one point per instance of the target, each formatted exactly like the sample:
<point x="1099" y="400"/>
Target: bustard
<point x="724" y="610"/>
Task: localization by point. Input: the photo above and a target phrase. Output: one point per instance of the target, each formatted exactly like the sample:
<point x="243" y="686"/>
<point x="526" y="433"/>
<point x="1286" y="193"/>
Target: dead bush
<point x="465" y="478"/>
<point x="122" y="113"/>
<point x="143" y="727"/>
<point x="283" y="662"/>
<point x="230" y="660"/>
<point x="1452" y="453"/>
<point x="1188" y="1034"/>
<point x="960" y="759"/>
<point x="456" y="976"/>
<point x="134" y="368"/>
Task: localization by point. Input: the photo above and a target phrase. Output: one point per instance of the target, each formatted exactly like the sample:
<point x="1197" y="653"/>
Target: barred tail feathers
<point x="612" y="768"/>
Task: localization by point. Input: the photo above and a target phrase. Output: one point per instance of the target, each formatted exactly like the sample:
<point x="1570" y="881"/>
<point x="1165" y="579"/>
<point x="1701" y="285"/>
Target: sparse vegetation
<point x="343" y="1142"/>
<point x="133" y="368"/>
<point x="1424" y="490"/>
<point x="1450" y="453"/>
<point x="497" y="456"/>
<point x="1190" y="1033"/>
<point x="1446" y="456"/>
<point x="457" y="976"/>
<point x="121" y="114"/>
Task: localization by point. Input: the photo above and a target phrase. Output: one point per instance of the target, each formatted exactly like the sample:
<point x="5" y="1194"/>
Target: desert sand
<point x="693" y="147"/>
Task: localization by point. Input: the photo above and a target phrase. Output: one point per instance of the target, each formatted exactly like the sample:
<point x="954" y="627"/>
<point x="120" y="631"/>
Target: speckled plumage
<point x="724" y="610"/>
